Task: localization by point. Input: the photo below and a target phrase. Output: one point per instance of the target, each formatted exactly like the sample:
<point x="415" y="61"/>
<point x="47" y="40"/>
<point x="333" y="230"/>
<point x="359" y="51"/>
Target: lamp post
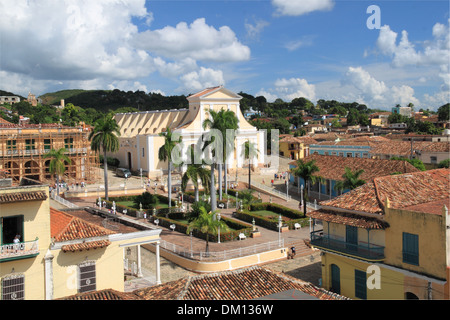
<point x="279" y="229"/>
<point x="218" y="218"/>
<point x="190" y="234"/>
<point x="140" y="172"/>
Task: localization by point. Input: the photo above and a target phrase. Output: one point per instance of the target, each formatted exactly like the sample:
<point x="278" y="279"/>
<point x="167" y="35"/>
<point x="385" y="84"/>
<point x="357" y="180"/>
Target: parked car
<point x="122" y="172"/>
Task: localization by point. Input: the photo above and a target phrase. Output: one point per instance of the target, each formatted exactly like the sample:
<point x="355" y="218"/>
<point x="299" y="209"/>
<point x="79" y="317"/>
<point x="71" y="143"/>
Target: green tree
<point x="444" y="164"/>
<point x="444" y="112"/>
<point x="207" y="223"/>
<point x="220" y="121"/>
<point x="104" y="138"/>
<point x="306" y="171"/>
<point x="194" y="172"/>
<point x="148" y="200"/>
<point x="165" y="154"/>
<point x="57" y="163"/>
<point x="351" y="180"/>
<point x="248" y="152"/>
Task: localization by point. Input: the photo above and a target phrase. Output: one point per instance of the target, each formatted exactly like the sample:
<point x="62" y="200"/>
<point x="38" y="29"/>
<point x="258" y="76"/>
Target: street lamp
<point x="279" y="229"/>
<point x="191" y="243"/>
<point x="218" y="217"/>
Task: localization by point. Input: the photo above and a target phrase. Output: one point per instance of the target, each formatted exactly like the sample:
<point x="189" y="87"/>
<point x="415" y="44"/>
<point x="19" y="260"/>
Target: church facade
<point x="140" y="139"/>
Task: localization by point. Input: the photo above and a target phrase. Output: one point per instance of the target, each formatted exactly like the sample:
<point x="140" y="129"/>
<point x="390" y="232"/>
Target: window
<point x="341" y="154"/>
<point x="87" y="277"/>
<point x="143" y="152"/>
<point x="349" y="155"/>
<point x="13" y="287"/>
<point x="68" y="143"/>
<point x="433" y="159"/>
<point x="360" y="284"/>
<point x="29" y="144"/>
<point x="11" y="144"/>
<point x="47" y="144"/>
<point x="410" y="248"/>
<point x="10" y="227"/>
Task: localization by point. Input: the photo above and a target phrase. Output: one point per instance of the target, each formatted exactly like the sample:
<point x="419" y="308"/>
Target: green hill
<point x="55" y="97"/>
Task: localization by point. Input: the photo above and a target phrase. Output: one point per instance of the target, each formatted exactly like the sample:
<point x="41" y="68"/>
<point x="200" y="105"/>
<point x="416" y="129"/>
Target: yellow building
<point x="388" y="239"/>
<point x="59" y="253"/>
<point x="22" y="150"/>
<point x="295" y="147"/>
<point x="139" y="131"/>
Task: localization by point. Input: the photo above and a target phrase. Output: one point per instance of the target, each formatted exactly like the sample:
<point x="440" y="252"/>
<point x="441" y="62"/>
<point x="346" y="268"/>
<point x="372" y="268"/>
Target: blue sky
<point x="318" y="49"/>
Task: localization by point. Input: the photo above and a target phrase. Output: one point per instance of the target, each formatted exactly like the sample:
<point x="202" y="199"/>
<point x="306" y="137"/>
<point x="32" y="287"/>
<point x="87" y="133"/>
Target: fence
<point x="221" y="255"/>
<point x="62" y="200"/>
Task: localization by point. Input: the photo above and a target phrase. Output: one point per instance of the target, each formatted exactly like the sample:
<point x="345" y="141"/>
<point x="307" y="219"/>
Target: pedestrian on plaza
<point x="293" y="251"/>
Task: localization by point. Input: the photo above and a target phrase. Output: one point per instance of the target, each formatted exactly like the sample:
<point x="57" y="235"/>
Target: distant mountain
<point x="54" y="98"/>
<point x="105" y="100"/>
<point x="6" y="93"/>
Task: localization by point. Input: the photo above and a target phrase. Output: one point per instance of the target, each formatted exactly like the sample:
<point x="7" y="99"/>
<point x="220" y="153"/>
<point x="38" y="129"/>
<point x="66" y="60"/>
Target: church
<point x="140" y="140"/>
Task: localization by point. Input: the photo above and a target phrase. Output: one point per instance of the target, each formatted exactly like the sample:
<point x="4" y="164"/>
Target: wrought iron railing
<point x="366" y="251"/>
<point x="221" y="255"/>
<point x="17" y="250"/>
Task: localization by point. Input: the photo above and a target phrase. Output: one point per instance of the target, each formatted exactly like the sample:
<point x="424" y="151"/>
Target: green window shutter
<point x="360" y="284"/>
<point x="410" y="248"/>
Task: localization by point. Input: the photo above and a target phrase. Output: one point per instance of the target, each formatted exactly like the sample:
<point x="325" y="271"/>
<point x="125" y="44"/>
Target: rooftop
<point x="405" y="191"/>
<point x="333" y="167"/>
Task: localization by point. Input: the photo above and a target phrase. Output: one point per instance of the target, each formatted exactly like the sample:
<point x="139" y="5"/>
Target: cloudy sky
<point x="375" y="52"/>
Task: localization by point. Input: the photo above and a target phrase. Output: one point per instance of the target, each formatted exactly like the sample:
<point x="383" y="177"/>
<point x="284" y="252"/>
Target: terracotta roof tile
<point x="403" y="191"/>
<point x="23" y="196"/>
<point x="107" y="294"/>
<point x="243" y="284"/>
<point x="65" y="227"/>
<point x="350" y="219"/>
<point x="333" y="167"/>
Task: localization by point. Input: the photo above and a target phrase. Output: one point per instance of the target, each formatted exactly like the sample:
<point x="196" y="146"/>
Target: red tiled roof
<point x="204" y="91"/>
<point x="65" y="227"/>
<point x="243" y="284"/>
<point x="403" y="191"/>
<point x="107" y="294"/>
<point x="349" y="219"/>
<point x="333" y="167"/>
<point x="23" y="196"/>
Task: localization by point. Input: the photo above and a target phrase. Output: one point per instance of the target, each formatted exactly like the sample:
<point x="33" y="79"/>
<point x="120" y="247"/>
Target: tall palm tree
<point x="57" y="163"/>
<point x="306" y="171"/>
<point x="165" y="154"/>
<point x="250" y="150"/>
<point x="194" y="172"/>
<point x="222" y="121"/>
<point x="104" y="138"/>
<point x="351" y="180"/>
<point x="207" y="222"/>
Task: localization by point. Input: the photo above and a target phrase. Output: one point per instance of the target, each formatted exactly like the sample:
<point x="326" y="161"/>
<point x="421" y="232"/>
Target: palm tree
<point x="165" y="154"/>
<point x="194" y="172"/>
<point x="222" y="121"/>
<point x="104" y="137"/>
<point x="57" y="164"/>
<point x="351" y="180"/>
<point x="249" y="152"/>
<point x="306" y="170"/>
<point x="207" y="222"/>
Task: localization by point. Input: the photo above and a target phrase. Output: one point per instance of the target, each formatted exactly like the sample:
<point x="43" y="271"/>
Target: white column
<point x="158" y="268"/>
<point x="49" y="275"/>
<point x="139" y="264"/>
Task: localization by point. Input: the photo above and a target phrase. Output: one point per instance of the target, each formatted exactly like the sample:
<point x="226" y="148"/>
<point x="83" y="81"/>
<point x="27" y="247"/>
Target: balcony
<point x="367" y="252"/>
<point x="21" y="250"/>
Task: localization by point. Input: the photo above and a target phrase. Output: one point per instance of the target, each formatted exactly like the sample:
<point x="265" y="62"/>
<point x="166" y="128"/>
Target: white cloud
<point x="72" y="39"/>
<point x="300" y="7"/>
<point x="197" y="41"/>
<point x="203" y="78"/>
<point x="375" y="93"/>
<point x="288" y="89"/>
<point x="253" y="31"/>
<point x="435" y="51"/>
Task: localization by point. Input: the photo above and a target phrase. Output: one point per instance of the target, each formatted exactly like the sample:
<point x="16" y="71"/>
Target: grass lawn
<point x="131" y="204"/>
<point x="266" y="213"/>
